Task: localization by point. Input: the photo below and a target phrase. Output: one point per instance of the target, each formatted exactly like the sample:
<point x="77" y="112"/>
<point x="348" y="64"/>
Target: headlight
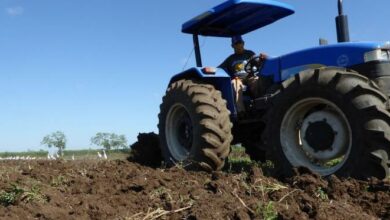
<point x="377" y="55"/>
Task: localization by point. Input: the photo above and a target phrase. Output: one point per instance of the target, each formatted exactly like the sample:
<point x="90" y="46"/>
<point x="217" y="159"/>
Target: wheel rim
<point x="316" y="134"/>
<point x="179" y="132"/>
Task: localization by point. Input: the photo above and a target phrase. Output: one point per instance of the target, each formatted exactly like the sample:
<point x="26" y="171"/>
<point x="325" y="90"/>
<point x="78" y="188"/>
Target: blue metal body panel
<point x="338" y="55"/>
<point x="237" y="17"/>
<point x="271" y="68"/>
<point x="221" y="81"/>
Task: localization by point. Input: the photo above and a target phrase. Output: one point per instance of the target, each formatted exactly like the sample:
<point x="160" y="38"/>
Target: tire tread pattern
<point x="371" y="115"/>
<point x="212" y="116"/>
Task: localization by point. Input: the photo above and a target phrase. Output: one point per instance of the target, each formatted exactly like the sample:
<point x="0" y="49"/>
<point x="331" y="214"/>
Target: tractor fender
<point x="220" y="80"/>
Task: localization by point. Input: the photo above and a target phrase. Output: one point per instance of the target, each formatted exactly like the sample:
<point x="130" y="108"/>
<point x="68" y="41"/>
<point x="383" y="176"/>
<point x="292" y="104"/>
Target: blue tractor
<point x="325" y="108"/>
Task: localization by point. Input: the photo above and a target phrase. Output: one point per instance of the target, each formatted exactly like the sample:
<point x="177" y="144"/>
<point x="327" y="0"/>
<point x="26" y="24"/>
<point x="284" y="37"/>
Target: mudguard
<point x="220" y="80"/>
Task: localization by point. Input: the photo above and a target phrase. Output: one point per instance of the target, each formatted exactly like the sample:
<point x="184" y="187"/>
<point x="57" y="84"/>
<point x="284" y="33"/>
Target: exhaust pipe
<point x="342" y="24"/>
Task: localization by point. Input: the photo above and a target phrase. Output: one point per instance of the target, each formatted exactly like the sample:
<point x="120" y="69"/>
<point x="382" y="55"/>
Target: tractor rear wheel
<point x="331" y="121"/>
<point x="194" y="126"/>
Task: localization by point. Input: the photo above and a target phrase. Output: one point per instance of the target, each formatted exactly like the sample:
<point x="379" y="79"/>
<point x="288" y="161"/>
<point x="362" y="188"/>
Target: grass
<point x="239" y="162"/>
<point x="34" y="194"/>
<point x="10" y="196"/>
<point x="237" y="158"/>
<point x="267" y="211"/>
<point x="40" y="153"/>
<point x="334" y="162"/>
<point x="68" y="154"/>
<point x="16" y="193"/>
<point x="59" y="181"/>
<point x="321" y="194"/>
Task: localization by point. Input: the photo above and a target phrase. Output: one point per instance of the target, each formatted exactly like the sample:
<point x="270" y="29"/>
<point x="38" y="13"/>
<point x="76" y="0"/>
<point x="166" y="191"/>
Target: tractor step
<point x="262" y="102"/>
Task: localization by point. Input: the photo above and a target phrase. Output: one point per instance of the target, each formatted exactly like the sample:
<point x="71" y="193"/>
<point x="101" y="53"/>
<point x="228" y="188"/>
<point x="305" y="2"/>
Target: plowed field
<point x="120" y="189"/>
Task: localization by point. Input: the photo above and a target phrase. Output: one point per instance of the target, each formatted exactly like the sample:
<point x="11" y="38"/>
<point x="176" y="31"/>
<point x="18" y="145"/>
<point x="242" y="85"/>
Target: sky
<point x="89" y="66"/>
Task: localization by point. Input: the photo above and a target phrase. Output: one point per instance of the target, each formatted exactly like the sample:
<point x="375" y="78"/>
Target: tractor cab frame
<point x="234" y="18"/>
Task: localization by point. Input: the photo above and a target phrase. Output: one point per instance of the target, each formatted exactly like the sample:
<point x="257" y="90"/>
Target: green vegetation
<point x="321" y="194"/>
<point x="109" y="141"/>
<point x="267" y="211"/>
<point x="56" y="139"/>
<point x="40" y="153"/>
<point x="239" y="161"/>
<point x="68" y="154"/>
<point x="10" y="197"/>
<point x="59" y="181"/>
<point x="34" y="194"/>
<point x="16" y="193"/>
<point x="334" y="162"/>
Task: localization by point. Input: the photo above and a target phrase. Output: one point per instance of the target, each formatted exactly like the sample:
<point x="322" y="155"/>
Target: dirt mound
<point x="146" y="150"/>
<point x="125" y="190"/>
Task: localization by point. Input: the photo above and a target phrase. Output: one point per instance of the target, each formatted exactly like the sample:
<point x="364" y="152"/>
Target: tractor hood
<point x="237" y="17"/>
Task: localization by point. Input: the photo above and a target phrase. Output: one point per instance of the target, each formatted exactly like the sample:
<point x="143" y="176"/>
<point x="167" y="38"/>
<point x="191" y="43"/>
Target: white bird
<point x="99" y="155"/>
<point x="73" y="157"/>
<point x="104" y="155"/>
<point x="48" y="156"/>
<point x="52" y="157"/>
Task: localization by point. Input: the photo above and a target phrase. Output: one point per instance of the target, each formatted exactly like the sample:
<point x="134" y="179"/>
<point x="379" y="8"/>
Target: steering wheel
<point x="254" y="65"/>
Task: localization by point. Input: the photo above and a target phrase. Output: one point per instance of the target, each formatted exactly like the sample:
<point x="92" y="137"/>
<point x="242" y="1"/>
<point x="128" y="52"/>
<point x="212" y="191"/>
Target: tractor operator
<point x="234" y="66"/>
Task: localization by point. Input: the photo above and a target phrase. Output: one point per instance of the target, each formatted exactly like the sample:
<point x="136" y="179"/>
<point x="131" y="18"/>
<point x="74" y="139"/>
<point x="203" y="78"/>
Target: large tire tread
<point x="213" y="117"/>
<point x="373" y="120"/>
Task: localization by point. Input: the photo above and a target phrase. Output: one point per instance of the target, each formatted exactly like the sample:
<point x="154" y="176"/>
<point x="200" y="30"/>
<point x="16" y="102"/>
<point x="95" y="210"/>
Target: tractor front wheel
<point x="194" y="126"/>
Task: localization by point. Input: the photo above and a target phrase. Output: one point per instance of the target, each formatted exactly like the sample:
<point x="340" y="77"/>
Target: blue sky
<point x="91" y="66"/>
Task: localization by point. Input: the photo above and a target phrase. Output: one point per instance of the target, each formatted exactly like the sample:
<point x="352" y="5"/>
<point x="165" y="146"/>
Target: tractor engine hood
<point x="346" y="55"/>
<point x="237" y="17"/>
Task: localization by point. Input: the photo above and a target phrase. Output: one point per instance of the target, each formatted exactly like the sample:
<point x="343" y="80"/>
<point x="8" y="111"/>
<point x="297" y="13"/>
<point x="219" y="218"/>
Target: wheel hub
<point x="325" y="135"/>
<point x="184" y="130"/>
<point x="314" y="133"/>
<point x="320" y="136"/>
<point x="179" y="132"/>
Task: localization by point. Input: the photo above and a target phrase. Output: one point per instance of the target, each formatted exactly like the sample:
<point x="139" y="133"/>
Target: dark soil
<point x="146" y="150"/>
<point x="125" y="190"/>
<point x="92" y="189"/>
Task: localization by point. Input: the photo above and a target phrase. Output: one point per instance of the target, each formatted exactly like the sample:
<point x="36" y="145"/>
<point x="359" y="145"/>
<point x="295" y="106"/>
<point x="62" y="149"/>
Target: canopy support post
<point x="197" y="51"/>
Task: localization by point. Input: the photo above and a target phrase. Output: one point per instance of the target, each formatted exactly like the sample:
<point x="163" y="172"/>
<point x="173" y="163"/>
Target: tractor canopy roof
<point x="237" y="17"/>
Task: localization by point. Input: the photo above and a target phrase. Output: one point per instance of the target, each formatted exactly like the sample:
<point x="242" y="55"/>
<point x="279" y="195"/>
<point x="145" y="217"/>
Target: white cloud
<point x="15" y="11"/>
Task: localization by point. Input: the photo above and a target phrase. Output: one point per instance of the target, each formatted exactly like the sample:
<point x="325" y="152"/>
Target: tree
<point x="109" y="140"/>
<point x="56" y="139"/>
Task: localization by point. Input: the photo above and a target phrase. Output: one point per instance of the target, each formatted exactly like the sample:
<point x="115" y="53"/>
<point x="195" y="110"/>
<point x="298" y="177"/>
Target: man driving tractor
<point x="235" y="65"/>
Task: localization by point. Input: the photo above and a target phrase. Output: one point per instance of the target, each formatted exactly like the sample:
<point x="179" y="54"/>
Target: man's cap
<point x="237" y="39"/>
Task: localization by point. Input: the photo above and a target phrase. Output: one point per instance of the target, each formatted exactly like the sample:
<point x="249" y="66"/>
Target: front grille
<point x="373" y="69"/>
